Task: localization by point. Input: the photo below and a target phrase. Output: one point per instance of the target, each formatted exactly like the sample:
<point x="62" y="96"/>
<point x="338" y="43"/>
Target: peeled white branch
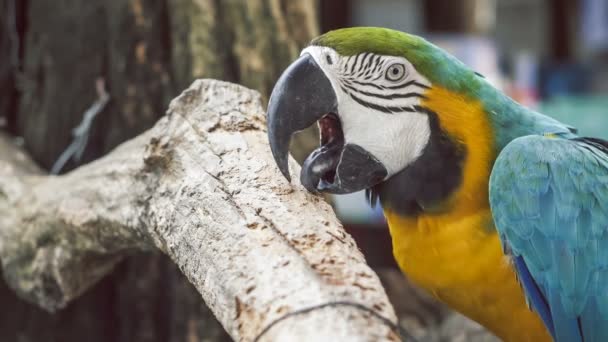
<point x="202" y="187"/>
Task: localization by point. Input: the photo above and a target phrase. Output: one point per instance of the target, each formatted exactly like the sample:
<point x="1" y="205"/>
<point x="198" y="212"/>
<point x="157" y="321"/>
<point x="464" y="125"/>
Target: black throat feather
<point x="427" y="183"/>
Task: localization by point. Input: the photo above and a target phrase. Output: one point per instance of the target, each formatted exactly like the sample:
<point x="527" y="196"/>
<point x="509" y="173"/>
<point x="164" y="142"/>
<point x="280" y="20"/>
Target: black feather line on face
<point x="385" y="97"/>
<point x="371" y="84"/>
<point x="407" y="84"/>
<point x="352" y="67"/>
<point x="367" y="65"/>
<point x="384" y="109"/>
<point x="398" y="86"/>
<point x="377" y="64"/>
<point x="426" y="184"/>
<point x="347" y="88"/>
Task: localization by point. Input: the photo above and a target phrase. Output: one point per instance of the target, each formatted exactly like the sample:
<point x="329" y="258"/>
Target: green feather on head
<point x="434" y="63"/>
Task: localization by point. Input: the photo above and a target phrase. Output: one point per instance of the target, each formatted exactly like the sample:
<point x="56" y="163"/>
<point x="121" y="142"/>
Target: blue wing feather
<point x="549" y="199"/>
<point x="536" y="298"/>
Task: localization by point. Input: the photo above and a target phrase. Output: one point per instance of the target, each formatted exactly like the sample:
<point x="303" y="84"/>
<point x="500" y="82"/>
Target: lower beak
<point x="302" y="96"/>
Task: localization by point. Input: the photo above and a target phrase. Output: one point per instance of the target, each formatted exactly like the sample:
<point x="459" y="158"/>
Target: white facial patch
<point x="377" y="102"/>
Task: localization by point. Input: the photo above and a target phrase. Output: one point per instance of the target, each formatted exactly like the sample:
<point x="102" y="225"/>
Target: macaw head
<point x="382" y="100"/>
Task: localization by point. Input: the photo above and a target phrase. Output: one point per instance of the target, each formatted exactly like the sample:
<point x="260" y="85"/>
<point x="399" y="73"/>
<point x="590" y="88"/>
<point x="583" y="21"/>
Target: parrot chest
<point x="458" y="259"/>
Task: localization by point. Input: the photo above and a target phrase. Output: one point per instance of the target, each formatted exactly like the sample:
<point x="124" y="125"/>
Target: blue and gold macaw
<point x="492" y="207"/>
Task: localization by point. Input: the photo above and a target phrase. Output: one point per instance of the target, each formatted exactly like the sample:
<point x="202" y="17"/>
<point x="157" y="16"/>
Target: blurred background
<point x="77" y="78"/>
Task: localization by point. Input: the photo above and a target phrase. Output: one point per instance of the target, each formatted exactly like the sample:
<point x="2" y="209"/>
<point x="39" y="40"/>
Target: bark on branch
<point x="202" y="187"/>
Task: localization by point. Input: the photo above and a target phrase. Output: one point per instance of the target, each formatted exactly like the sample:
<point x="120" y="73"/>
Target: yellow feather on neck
<point x="465" y="121"/>
<point x="456" y="254"/>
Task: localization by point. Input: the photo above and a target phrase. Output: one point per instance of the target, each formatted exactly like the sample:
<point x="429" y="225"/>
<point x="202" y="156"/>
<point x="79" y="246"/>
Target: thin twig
<point x="81" y="132"/>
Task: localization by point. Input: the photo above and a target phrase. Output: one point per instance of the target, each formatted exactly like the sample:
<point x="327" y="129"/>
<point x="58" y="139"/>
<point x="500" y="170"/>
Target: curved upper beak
<point x="301" y="96"/>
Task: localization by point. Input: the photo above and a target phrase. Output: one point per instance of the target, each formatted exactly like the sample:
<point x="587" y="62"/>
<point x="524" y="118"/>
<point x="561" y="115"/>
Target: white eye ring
<point x="395" y="72"/>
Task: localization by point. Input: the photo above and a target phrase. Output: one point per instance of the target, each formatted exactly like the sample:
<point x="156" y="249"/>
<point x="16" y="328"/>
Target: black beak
<point x="302" y="96"/>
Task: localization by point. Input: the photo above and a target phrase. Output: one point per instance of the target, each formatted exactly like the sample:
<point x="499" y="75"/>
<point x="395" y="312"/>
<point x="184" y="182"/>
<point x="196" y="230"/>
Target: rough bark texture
<point x="200" y="186"/>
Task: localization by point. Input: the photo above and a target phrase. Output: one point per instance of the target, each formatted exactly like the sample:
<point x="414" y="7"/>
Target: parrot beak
<point x="302" y="96"/>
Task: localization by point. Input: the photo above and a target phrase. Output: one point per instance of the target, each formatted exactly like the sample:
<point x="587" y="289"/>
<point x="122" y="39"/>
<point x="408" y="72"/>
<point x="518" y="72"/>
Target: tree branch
<point x="202" y="187"/>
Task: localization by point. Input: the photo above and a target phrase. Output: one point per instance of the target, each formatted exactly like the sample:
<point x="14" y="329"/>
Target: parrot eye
<point x="395" y="72"/>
